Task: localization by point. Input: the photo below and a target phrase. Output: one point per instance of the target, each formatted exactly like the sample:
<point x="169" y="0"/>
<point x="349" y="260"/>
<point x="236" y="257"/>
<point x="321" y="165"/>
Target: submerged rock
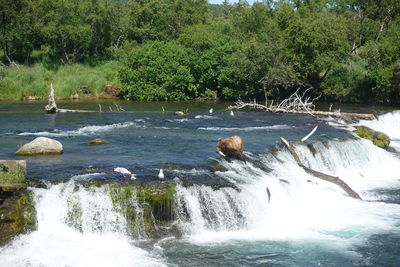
<point x="17" y="211"/>
<point x="231" y="147"/>
<point x="378" y="138"/>
<point x="41" y="146"/>
<point x="97" y="142"/>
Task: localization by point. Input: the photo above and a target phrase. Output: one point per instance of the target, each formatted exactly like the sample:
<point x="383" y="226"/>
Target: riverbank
<point x="70" y="81"/>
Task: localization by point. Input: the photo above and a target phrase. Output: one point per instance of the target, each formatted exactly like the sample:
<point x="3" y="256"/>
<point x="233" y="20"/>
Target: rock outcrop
<point x="40" y="146"/>
<point x="231" y="147"/>
<point x="149" y="209"/>
<point x="378" y="138"/>
<point x="17" y="211"/>
<point x="97" y="142"/>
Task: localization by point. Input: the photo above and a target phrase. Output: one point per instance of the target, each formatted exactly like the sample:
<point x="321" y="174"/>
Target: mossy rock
<point x="378" y="138"/>
<point x="97" y="142"/>
<point x="12" y="172"/>
<point x="17" y="215"/>
<point x="146" y="207"/>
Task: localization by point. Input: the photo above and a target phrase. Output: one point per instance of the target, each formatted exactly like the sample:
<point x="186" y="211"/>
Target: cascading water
<point x="300" y="205"/>
<point x="77" y="226"/>
<point x="267" y="211"/>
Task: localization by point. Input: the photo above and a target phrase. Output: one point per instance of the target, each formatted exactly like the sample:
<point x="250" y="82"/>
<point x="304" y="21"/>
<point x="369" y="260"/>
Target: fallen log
<point x="297" y="104"/>
<point x="51" y="107"/>
<point x="329" y="178"/>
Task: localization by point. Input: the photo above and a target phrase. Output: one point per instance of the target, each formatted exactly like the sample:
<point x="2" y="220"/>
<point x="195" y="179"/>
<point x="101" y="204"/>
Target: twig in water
<point x="110" y="108"/>
<point x="99" y="107"/>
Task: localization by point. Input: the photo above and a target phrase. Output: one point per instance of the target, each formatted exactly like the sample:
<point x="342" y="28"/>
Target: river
<point x="307" y="222"/>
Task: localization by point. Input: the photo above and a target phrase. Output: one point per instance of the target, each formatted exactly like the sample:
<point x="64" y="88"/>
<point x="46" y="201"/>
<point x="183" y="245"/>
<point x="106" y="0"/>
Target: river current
<point x="306" y="221"/>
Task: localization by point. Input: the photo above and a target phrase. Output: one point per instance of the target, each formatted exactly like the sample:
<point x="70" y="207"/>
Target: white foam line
<point x="87" y="130"/>
<point x="273" y="127"/>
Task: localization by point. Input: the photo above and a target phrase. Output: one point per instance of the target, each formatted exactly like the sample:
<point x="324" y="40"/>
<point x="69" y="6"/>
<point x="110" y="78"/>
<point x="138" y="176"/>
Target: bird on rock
<point x="210" y="111"/>
<point x="125" y="172"/>
<point x="161" y="175"/>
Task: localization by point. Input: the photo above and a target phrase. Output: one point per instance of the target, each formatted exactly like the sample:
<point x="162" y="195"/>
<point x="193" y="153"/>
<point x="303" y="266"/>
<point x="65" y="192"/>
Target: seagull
<point x="232" y="113"/>
<point x="125" y="172"/>
<point x="161" y="175"/>
<point x="210" y="111"/>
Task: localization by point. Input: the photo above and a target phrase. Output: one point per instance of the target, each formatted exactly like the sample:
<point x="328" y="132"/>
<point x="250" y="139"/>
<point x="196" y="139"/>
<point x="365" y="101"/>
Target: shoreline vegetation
<point x="155" y="50"/>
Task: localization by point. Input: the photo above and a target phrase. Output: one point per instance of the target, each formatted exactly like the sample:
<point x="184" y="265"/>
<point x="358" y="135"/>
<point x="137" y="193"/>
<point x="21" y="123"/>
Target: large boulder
<point x="41" y="146"/>
<point x="378" y="138"/>
<point x="231" y="147"/>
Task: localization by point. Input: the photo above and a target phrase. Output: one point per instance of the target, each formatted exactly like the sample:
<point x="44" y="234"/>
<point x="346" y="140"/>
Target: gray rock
<point x="41" y="146"/>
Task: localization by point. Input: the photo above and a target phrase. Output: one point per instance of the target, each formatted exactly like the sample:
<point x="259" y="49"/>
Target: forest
<point x="161" y="50"/>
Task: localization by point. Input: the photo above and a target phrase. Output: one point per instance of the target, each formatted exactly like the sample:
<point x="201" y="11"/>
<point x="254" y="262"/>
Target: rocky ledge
<point x="17" y="211"/>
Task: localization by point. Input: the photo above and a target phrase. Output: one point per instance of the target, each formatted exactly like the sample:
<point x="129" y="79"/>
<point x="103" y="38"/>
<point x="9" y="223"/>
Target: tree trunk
<point x="329" y="178"/>
<point x="52" y="106"/>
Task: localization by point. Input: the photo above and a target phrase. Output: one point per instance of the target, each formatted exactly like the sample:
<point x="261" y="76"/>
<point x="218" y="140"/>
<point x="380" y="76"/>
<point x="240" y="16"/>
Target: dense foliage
<point x="348" y="50"/>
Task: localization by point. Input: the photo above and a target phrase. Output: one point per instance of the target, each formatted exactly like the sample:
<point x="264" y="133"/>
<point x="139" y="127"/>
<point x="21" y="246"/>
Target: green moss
<point x="15" y="173"/>
<point x="12" y="178"/>
<point x="381" y="140"/>
<point x="364" y="134"/>
<point x="145" y="206"/>
<point x="97" y="142"/>
<point x="378" y="138"/>
<point x="24" y="216"/>
<point x="18" y="215"/>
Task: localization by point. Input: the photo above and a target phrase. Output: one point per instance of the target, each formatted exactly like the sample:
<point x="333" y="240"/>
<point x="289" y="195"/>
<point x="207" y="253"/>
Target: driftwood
<point x="329" y="178"/>
<point x="51" y="107"/>
<point x="299" y="104"/>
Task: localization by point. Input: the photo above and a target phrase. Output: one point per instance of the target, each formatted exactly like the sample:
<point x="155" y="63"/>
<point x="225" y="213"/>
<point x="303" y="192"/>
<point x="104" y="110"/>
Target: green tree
<point x="158" y="71"/>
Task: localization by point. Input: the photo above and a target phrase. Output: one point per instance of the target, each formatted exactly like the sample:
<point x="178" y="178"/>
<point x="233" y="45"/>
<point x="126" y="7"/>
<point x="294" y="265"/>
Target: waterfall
<point x="300" y="205"/>
<point x="77" y="226"/>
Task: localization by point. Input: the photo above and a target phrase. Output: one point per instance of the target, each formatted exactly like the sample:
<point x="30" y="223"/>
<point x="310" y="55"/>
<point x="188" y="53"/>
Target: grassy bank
<point x="84" y="80"/>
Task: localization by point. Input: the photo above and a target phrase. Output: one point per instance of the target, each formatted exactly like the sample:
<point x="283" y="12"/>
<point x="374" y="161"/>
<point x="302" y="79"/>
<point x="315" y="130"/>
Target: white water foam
<point x="87" y="130"/>
<point x="205" y="117"/>
<point x="300" y="206"/>
<point x="88" y="176"/>
<point x="247" y="129"/>
<point x="100" y="240"/>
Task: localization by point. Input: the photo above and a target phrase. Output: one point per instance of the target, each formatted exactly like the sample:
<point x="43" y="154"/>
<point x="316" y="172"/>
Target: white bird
<point x="232" y="113"/>
<point x="161" y="175"/>
<point x="125" y="172"/>
<point x="210" y="111"/>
